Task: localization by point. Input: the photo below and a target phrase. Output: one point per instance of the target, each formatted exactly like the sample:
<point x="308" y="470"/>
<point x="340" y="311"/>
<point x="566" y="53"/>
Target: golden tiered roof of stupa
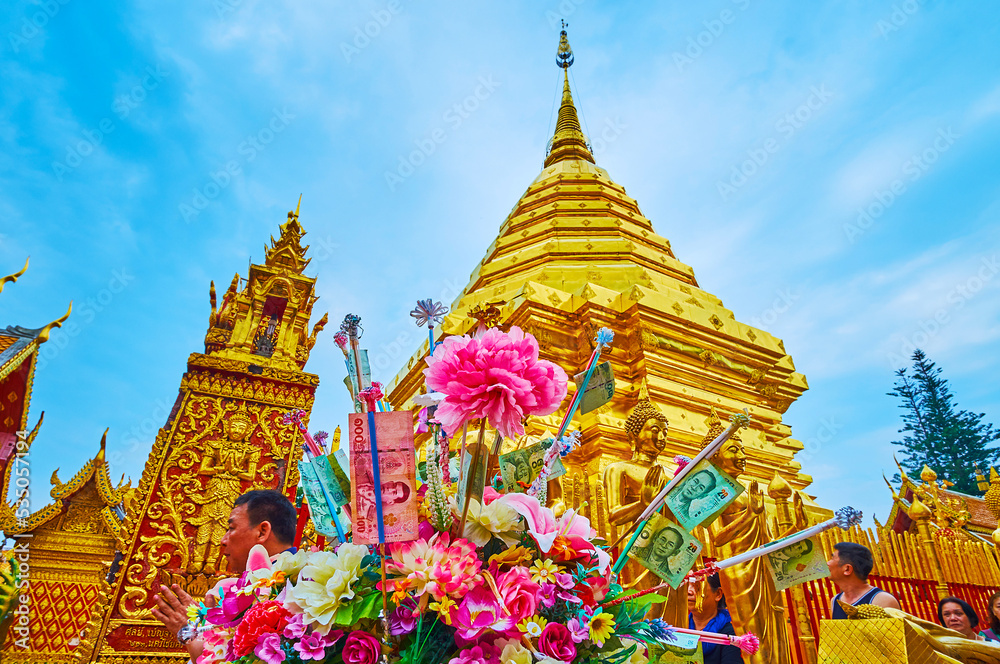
<point x="575" y="254"/>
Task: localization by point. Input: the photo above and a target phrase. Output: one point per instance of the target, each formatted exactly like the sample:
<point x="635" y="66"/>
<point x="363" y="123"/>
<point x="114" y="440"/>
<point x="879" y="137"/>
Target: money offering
<point x="666" y="549"/>
<point x="396" y="474"/>
<point x="686" y="649"/>
<point x="319" y="509"/>
<point x="797" y="563"/>
<point x="518" y="469"/>
<point x="600" y="388"/>
<point x="702" y="495"/>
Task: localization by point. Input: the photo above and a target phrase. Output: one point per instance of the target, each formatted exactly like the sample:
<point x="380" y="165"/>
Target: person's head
<point x="666" y="542"/>
<point x="850" y="563"/>
<point x="395" y="492"/>
<point x="712" y="597"/>
<point x="955" y="613"/>
<point x="732" y="458"/>
<point x="698" y="485"/>
<point x="262" y="516"/>
<point x="994" y="612"/>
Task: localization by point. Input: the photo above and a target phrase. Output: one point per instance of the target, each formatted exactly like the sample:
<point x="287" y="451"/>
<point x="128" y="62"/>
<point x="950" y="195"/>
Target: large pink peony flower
<point x="496" y="375"/>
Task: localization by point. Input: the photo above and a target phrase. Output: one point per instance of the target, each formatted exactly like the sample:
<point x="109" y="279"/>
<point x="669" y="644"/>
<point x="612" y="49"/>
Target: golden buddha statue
<point x="752" y="600"/>
<point x="227" y="462"/>
<point x="630" y="485"/>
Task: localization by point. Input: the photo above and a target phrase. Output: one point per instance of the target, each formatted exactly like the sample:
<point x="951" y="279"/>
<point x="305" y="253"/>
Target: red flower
<point x="260" y="619"/>
<point x="361" y="648"/>
<point x="592" y="590"/>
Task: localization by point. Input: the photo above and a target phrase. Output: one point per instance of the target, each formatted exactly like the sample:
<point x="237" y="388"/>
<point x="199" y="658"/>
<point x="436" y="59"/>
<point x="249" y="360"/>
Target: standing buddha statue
<point x="631" y="484"/>
<point x="750" y="593"/>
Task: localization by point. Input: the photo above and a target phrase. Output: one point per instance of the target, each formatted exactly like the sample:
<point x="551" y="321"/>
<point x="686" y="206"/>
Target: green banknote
<point x="797" y="563"/>
<point x="666" y="549"/>
<point x="519" y="468"/>
<point x="702" y="495"/>
<point x="600" y="387"/>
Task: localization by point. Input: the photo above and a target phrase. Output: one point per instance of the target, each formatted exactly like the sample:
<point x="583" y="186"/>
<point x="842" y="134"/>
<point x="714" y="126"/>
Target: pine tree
<point x="936" y="433"/>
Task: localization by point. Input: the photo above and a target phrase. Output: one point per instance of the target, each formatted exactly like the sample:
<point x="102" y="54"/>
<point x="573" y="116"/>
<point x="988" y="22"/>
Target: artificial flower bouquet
<point x="537" y="590"/>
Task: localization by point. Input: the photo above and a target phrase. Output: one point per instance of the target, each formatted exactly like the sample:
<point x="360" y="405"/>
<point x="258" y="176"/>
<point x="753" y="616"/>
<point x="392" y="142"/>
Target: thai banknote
<point x="702" y="495"/>
<point x="666" y="549"/>
<point x="397" y="495"/>
<point x="600" y="388"/>
<point x="797" y="563"/>
<point x="321" y="511"/>
<point x="686" y="649"/>
<point x="519" y="468"/>
<point x="351" y="380"/>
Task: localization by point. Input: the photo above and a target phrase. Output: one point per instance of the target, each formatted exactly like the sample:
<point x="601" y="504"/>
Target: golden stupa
<point x="576" y="254"/>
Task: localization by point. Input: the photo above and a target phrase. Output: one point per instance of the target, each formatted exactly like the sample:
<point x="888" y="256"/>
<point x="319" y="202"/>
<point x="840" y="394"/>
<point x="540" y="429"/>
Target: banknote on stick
<point x="702" y="495"/>
<point x="519" y="468"/>
<point x="797" y="563"/>
<point x="397" y="470"/>
<point x="666" y="549"/>
<point x="600" y="388"/>
<point x="319" y="509"/>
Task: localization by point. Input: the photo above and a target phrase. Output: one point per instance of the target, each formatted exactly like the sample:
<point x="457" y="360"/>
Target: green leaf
<point x="368" y="607"/>
<point x="645" y="601"/>
<point x="344" y="615"/>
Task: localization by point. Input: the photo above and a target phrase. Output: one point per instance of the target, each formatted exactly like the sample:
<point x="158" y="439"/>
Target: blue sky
<point x="756" y="137"/>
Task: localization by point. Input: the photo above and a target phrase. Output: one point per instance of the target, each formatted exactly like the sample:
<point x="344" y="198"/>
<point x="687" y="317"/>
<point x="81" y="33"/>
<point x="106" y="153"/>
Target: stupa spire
<point x="569" y="141"/>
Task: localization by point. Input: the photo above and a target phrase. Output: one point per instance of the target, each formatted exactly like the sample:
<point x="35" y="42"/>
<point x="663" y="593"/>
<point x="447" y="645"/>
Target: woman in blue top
<point x="713" y="617"/>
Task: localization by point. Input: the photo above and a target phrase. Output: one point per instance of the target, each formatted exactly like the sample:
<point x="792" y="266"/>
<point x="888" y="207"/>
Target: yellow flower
<point x="543" y="571"/>
<point x="515" y="555"/>
<point x="443" y="608"/>
<point x="532" y="626"/>
<point x="485" y="521"/>
<point x="602" y="626"/>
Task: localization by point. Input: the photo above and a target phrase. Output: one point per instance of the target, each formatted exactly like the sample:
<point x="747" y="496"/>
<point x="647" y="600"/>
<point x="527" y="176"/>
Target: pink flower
<point x="296" y="626"/>
<point x="269" y="649"/>
<point x="479" y="654"/>
<point x="433" y="566"/>
<point x="545" y="528"/>
<point x="361" y="648"/>
<point x="546" y="595"/>
<point x="496" y="375"/>
<point x="578" y="631"/>
<point x="314" y="644"/>
<point x="478" y="612"/>
<point x="518" y="592"/>
<point x="557" y="642"/>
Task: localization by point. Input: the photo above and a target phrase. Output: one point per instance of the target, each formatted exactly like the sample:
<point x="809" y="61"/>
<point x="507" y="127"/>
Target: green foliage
<point x="936" y="433"/>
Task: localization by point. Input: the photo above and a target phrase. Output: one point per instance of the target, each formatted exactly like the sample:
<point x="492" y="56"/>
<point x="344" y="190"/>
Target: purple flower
<point x="546" y="595"/>
<point x="402" y="620"/>
<point x="269" y="649"/>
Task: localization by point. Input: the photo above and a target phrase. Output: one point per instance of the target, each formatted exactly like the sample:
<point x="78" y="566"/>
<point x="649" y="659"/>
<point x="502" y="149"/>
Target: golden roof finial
<point x="43" y="336"/>
<point x="568" y="142"/>
<point x="779" y="488"/>
<point x="12" y="278"/>
<point x="297" y="206"/>
<point x="927" y="474"/>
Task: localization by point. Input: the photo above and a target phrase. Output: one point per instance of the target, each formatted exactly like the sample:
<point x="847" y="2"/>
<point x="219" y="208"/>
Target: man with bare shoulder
<point x="849" y="569"/>
<point x="262" y="516"/>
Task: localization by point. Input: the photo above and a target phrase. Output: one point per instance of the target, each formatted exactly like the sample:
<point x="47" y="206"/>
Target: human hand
<point x="171" y="607"/>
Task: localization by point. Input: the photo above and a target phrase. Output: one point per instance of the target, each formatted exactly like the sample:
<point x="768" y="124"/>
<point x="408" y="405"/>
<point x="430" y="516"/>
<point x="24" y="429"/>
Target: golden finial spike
<point x="644" y="390"/>
<point x="12" y="278"/>
<point x="43" y="336"/>
<point x="568" y="142"/>
<point x="298" y="205"/>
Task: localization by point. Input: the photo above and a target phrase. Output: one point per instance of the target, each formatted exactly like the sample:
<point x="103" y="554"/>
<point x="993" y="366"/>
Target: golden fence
<point x="918" y="569"/>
